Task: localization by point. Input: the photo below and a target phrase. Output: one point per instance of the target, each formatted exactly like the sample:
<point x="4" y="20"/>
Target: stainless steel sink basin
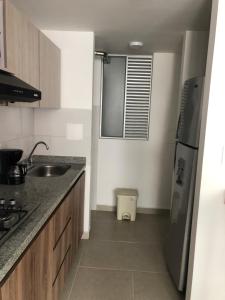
<point x="49" y="170"/>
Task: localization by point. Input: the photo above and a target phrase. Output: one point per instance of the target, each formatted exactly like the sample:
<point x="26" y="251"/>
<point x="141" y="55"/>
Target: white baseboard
<point x="86" y="235"/>
<point x="141" y="210"/>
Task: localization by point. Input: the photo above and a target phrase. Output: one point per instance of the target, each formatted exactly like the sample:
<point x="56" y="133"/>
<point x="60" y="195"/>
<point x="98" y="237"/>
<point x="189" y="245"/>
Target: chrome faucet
<point x="29" y="159"/>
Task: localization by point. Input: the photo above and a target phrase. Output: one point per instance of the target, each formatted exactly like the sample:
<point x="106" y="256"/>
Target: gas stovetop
<point x="12" y="213"/>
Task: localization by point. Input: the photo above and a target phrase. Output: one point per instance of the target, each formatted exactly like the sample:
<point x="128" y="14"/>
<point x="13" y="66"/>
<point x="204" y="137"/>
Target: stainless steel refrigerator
<point x="188" y="131"/>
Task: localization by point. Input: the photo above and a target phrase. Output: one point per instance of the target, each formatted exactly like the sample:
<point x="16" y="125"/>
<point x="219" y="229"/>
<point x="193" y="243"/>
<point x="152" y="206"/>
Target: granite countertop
<point x="48" y="192"/>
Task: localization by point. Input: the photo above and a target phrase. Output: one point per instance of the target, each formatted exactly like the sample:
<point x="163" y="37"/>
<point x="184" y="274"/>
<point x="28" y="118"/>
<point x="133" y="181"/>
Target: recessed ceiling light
<point x="136" y="44"/>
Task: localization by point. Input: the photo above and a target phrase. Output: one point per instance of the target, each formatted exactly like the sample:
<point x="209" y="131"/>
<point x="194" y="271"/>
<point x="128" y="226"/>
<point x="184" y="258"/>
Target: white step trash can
<point x="126" y="204"/>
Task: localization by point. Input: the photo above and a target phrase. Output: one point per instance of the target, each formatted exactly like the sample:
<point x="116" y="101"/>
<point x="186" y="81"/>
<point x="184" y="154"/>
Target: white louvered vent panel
<point x="138" y="97"/>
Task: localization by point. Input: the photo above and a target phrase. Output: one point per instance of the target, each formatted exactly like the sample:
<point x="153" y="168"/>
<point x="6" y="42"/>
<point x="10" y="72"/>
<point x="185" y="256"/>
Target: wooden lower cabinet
<point x="62" y="216"/>
<point x="60" y="280"/>
<point x="75" y="224"/>
<point x="78" y="213"/>
<point x="81" y="207"/>
<point x="61" y="250"/>
<point x="31" y="279"/>
<point x="42" y="271"/>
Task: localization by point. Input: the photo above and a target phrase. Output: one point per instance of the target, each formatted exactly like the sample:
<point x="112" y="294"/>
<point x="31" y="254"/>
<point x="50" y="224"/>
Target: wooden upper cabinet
<point x="50" y="73"/>
<point x="31" y="56"/>
<point x="21" y="48"/>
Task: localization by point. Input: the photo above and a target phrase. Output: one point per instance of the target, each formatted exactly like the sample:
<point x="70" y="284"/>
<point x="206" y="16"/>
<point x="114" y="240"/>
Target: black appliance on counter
<point x="10" y="171"/>
<point x="12" y="213"/>
<point x="13" y="89"/>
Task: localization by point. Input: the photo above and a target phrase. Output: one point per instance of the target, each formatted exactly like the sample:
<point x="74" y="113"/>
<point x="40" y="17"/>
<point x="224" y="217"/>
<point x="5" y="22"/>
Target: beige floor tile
<point x="111" y="231"/>
<point x="103" y="216"/>
<point x="127" y="256"/>
<point x="149" y="286"/>
<point x="146" y="228"/>
<point x="152" y="218"/>
<point x="102" y="285"/>
<point x="105" y="263"/>
<point x="148" y="233"/>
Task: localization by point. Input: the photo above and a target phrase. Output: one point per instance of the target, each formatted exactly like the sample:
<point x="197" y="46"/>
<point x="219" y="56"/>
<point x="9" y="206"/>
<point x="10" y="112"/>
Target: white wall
<point x="145" y="165"/>
<point x="207" y="257"/>
<point x="17" y="128"/>
<point x="95" y="130"/>
<point x="68" y="130"/>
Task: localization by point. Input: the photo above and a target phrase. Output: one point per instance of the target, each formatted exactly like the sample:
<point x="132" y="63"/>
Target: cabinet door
<point x="81" y="206"/>
<point x="62" y="240"/>
<point x="75" y="220"/>
<point x="50" y="73"/>
<point x="60" y="280"/>
<point x="32" y="277"/>
<point x="62" y="217"/>
<point x="21" y="48"/>
<point x="78" y="214"/>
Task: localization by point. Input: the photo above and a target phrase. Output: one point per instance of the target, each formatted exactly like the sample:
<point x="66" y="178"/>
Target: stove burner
<point x="4" y="216"/>
<point x="12" y="213"/>
<point x="2" y="201"/>
<point x="12" y="202"/>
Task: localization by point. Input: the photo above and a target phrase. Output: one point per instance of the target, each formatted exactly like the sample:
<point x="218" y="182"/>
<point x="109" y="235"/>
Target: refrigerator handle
<point x="175" y="155"/>
<point x="178" y="127"/>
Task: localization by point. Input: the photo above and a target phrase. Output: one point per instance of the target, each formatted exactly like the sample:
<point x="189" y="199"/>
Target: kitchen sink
<point x="49" y="170"/>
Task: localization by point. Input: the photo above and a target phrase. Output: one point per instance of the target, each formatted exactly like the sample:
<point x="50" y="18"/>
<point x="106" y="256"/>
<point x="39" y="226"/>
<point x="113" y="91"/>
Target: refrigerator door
<point x="178" y="239"/>
<point x="190" y="112"/>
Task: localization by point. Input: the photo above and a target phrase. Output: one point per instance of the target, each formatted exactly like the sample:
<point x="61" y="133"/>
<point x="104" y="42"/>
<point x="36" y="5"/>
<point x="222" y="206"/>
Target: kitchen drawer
<point x="61" y="249"/>
<point x="62" y="217"/>
<point x="59" y="282"/>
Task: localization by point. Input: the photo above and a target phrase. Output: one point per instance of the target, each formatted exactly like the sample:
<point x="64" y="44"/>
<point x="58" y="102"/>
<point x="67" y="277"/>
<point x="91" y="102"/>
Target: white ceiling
<point x="158" y="23"/>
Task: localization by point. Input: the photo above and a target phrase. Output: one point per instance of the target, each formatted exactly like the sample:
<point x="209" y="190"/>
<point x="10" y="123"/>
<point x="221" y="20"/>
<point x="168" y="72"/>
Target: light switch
<point x="74" y="131"/>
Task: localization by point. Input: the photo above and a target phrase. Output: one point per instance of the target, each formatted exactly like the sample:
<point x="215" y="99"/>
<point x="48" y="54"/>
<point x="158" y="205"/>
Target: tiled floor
<point x="122" y="261"/>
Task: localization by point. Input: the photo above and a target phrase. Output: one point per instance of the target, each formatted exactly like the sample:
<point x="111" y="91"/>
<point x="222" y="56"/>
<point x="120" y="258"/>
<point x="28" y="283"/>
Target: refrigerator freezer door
<point x="178" y="239"/>
<point x="190" y="113"/>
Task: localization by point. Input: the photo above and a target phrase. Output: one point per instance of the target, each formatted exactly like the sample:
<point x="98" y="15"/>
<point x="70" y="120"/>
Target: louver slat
<point x="137" y="98"/>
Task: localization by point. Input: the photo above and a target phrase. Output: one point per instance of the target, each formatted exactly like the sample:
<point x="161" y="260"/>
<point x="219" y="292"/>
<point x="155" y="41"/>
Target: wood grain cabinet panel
<point x="60" y="280"/>
<point x="75" y="220"/>
<point x="32" y="57"/>
<point x="61" y="249"/>
<point x="21" y="48"/>
<point x="78" y="214"/>
<point x="81" y="206"/>
<point x="50" y="73"/>
<point x="61" y="217"/>
<point x="32" y="277"/>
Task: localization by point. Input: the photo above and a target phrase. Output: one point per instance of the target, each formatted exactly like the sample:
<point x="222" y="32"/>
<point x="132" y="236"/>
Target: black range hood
<point x="13" y="89"/>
